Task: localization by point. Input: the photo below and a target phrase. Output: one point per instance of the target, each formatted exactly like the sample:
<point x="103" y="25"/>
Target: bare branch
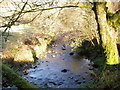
<point x="43" y="9"/>
<point x="13" y="21"/>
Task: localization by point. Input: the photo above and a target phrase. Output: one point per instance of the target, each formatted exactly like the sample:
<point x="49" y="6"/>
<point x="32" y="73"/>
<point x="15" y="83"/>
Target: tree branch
<point x="13" y="21"/>
<point x="37" y="9"/>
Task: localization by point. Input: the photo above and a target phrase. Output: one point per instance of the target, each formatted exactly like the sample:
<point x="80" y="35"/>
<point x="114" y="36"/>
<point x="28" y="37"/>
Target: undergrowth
<point x="107" y="76"/>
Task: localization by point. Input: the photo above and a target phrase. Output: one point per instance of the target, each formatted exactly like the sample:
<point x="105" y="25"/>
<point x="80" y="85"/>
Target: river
<point x="60" y="68"/>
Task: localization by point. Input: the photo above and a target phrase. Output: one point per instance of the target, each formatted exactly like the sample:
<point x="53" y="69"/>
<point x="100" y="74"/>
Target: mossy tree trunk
<point x="108" y="34"/>
<point x="15" y="79"/>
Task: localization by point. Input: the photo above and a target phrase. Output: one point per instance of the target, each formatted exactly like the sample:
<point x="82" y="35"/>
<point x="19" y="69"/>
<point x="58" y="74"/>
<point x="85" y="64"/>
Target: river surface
<point x="60" y="68"/>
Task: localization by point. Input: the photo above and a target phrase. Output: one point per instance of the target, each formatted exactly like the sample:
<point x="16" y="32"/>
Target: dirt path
<point x="60" y="68"/>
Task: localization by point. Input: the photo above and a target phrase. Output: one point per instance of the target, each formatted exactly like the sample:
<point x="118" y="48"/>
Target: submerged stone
<point x="64" y="70"/>
<point x="71" y="53"/>
<point x="63" y="47"/>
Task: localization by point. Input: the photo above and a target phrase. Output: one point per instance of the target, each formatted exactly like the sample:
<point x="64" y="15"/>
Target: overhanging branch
<point x="13" y="21"/>
<point x="44" y="9"/>
<point x="19" y="13"/>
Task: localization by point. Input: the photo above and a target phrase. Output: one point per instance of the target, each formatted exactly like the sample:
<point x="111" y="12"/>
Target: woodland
<point x="60" y="44"/>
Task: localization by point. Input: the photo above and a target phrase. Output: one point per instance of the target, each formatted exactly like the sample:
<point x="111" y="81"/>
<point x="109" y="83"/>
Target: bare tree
<point x="107" y="23"/>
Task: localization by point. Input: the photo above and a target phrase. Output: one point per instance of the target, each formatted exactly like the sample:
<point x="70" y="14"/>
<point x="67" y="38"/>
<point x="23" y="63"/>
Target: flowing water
<point x="60" y="68"/>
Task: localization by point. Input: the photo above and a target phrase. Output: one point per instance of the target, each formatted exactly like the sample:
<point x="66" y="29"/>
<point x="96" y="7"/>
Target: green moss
<point x="113" y="19"/>
<point x="14" y="78"/>
<point x="100" y="61"/>
<point x="87" y="85"/>
<point x="108" y="78"/>
<point x="108" y="34"/>
<point x="111" y="53"/>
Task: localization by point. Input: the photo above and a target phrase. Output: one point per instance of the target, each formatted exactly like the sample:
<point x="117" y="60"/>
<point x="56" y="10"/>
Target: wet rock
<point x="83" y="78"/>
<point x="63" y="80"/>
<point x="10" y="88"/>
<point x="53" y="83"/>
<point x="60" y="84"/>
<point x="71" y="77"/>
<point x="35" y="83"/>
<point x="90" y="68"/>
<point x="33" y="76"/>
<point x="46" y="85"/>
<point x="31" y="70"/>
<point x="39" y="79"/>
<point x="35" y="67"/>
<point x="64" y="70"/>
<point x="47" y="61"/>
<point x="79" y="82"/>
<point x="42" y="61"/>
<point x="83" y="81"/>
<point x="63" y="47"/>
<point x="71" y="53"/>
<point x="25" y="73"/>
<point x="86" y="72"/>
<point x="53" y="42"/>
<point x="76" y="80"/>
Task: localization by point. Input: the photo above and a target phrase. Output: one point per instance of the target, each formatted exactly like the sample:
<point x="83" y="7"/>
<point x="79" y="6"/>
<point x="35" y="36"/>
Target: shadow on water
<point x="90" y="49"/>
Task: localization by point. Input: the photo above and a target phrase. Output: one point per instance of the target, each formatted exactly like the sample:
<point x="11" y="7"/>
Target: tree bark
<point x="15" y="79"/>
<point x="108" y="35"/>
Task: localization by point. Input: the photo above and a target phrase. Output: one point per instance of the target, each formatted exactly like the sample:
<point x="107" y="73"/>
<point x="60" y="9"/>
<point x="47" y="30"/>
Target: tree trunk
<point x="108" y="35"/>
<point x="15" y="79"/>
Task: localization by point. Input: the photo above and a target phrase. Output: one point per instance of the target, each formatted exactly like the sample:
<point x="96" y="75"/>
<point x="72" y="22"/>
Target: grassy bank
<point x="106" y="76"/>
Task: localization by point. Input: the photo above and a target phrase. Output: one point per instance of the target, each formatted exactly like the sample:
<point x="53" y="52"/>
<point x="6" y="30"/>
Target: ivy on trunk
<point x="108" y="33"/>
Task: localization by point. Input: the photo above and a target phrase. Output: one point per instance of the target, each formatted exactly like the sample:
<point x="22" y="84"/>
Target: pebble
<point x="64" y="70"/>
<point x="76" y="80"/>
<point x="63" y="47"/>
<point x="71" y="53"/>
<point x="35" y="67"/>
<point x="33" y="76"/>
<point x="25" y="73"/>
<point x="90" y="68"/>
<point x="53" y="83"/>
<point x="83" y="81"/>
<point x="47" y="61"/>
<point x="79" y="82"/>
<point x="71" y="77"/>
<point x="83" y="78"/>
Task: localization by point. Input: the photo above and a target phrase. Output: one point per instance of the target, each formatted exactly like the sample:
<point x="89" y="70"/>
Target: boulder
<point x="39" y="48"/>
<point x="24" y="55"/>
